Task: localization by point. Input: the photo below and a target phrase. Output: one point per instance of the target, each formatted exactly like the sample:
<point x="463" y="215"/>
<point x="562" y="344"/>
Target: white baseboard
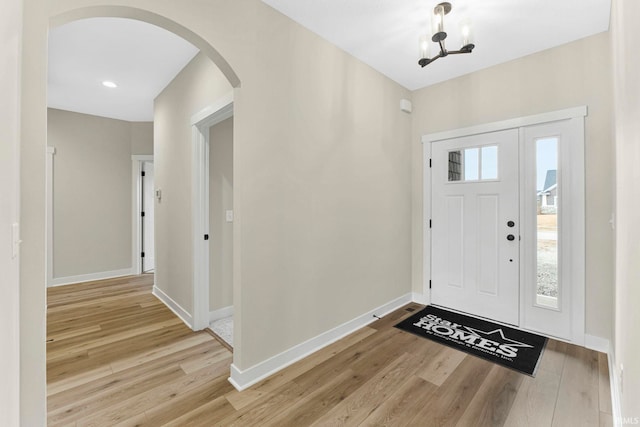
<point x="596" y="343"/>
<point x="220" y="313"/>
<point x="173" y="306"/>
<point x="69" y="280"/>
<point x="614" y="383"/>
<point x="602" y="345"/>
<point x="419" y="298"/>
<point x="241" y="379"/>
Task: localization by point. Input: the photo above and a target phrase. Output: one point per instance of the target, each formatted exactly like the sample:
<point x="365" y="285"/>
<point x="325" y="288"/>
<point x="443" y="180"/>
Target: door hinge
<point x="206" y="237"/>
<point x="143" y="173"/>
<point x="429" y="284"/>
<point x="142" y="254"/>
<point x="429" y="162"/>
<point x="141" y="213"/>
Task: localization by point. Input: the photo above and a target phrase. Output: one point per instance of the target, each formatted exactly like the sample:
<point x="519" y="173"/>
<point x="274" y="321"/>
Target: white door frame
<point x="136" y="202"/>
<point x="221" y="110"/>
<point x="51" y="151"/>
<point x="578" y="214"/>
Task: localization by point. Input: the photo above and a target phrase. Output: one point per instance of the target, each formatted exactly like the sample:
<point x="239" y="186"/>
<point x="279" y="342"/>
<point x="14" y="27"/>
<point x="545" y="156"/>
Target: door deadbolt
<point x="510" y="224"/>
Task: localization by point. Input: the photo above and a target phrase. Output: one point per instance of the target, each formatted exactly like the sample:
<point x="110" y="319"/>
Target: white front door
<point x="475" y="225"/>
<point x="148" y="198"/>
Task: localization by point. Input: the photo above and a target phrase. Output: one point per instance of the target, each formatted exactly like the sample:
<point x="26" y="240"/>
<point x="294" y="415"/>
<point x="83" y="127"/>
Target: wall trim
<point x="603" y="345"/>
<point x="616" y="407"/>
<point x="242" y="379"/>
<point x="136" y="221"/>
<point x="419" y="298"/>
<point x="593" y="342"/>
<point x="220" y="110"/>
<point x="51" y="151"/>
<point x="220" y="313"/>
<point x="173" y="306"/>
<point x="69" y="280"/>
<point x="536" y="119"/>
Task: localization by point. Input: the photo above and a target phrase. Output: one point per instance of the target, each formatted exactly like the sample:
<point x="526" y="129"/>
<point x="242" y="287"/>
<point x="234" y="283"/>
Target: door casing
<point x="137" y="161"/>
<point x="200" y="124"/>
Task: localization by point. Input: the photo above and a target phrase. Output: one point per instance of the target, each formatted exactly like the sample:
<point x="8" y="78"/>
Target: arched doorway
<point x="158" y="20"/>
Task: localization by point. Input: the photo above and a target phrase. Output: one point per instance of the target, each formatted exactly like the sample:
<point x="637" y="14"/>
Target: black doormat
<point x="500" y="344"/>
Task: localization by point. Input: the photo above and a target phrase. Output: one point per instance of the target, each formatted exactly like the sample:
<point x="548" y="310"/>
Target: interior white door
<point x="475" y="225"/>
<point x="148" y="197"/>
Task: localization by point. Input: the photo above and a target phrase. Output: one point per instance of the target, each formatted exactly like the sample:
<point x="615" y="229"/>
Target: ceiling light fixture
<point x="109" y="84"/>
<point x="439" y="35"/>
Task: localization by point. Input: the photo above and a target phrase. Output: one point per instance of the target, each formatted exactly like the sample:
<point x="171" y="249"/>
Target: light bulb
<point x="424" y="47"/>
<point x="467" y="34"/>
<point x="437" y="24"/>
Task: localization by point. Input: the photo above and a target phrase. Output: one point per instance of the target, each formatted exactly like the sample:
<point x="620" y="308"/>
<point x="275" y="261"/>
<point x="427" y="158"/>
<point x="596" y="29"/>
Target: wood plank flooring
<point x="116" y="356"/>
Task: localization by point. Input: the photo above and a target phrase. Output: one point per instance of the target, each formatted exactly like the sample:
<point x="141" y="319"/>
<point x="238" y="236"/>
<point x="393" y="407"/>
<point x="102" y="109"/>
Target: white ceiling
<point x="141" y="58"/>
<point x="384" y="33"/>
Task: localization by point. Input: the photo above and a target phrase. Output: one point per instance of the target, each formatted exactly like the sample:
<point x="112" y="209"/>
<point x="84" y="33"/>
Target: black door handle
<point x="511" y="237"/>
<point x="510" y="224"/>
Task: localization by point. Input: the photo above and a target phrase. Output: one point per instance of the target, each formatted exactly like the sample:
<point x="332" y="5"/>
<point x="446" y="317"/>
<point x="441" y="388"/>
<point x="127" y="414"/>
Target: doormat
<point x="496" y="343"/>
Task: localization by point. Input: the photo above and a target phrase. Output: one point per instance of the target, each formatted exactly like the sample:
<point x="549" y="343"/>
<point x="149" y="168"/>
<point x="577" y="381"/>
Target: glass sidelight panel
<point x="548" y="291"/>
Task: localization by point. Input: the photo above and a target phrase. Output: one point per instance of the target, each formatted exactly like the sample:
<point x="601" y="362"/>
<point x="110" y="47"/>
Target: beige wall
<point x="626" y="33"/>
<point x="91" y="193"/>
<point x="220" y="200"/>
<point x="321" y="190"/>
<point x="10" y="23"/>
<point x="320" y="165"/>
<point x="567" y="76"/>
<point x="197" y="86"/>
<point x="141" y="137"/>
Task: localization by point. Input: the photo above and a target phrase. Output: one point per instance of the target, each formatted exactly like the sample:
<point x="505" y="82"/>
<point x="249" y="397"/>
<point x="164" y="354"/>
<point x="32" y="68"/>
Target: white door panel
<point x="475" y="268"/>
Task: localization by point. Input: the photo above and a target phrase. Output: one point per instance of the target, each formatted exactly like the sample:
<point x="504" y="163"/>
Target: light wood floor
<point x="117" y="356"/>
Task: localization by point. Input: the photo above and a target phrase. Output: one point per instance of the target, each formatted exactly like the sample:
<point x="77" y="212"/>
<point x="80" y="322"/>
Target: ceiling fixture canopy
<point x="439" y="36"/>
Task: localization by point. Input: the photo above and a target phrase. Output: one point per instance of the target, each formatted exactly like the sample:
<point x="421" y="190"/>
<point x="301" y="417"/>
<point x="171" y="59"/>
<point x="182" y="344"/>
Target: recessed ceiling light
<point x="110" y="84"/>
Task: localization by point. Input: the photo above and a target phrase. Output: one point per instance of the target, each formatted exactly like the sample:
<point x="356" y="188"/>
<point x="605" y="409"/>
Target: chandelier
<point x="439" y="36"/>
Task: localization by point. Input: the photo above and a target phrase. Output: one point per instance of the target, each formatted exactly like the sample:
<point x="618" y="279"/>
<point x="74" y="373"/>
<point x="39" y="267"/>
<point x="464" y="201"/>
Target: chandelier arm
<point x="426" y="61"/>
<point x="456" y="52"/>
<point x="443" y="50"/>
<point x="436" y="57"/>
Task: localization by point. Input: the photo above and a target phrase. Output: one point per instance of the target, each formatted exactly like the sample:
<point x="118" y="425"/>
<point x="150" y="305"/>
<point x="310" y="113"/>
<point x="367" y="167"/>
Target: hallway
<point x="116" y="354"/>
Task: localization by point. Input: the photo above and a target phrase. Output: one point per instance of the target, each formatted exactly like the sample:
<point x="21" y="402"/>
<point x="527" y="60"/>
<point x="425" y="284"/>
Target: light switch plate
<point x="229" y="216"/>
